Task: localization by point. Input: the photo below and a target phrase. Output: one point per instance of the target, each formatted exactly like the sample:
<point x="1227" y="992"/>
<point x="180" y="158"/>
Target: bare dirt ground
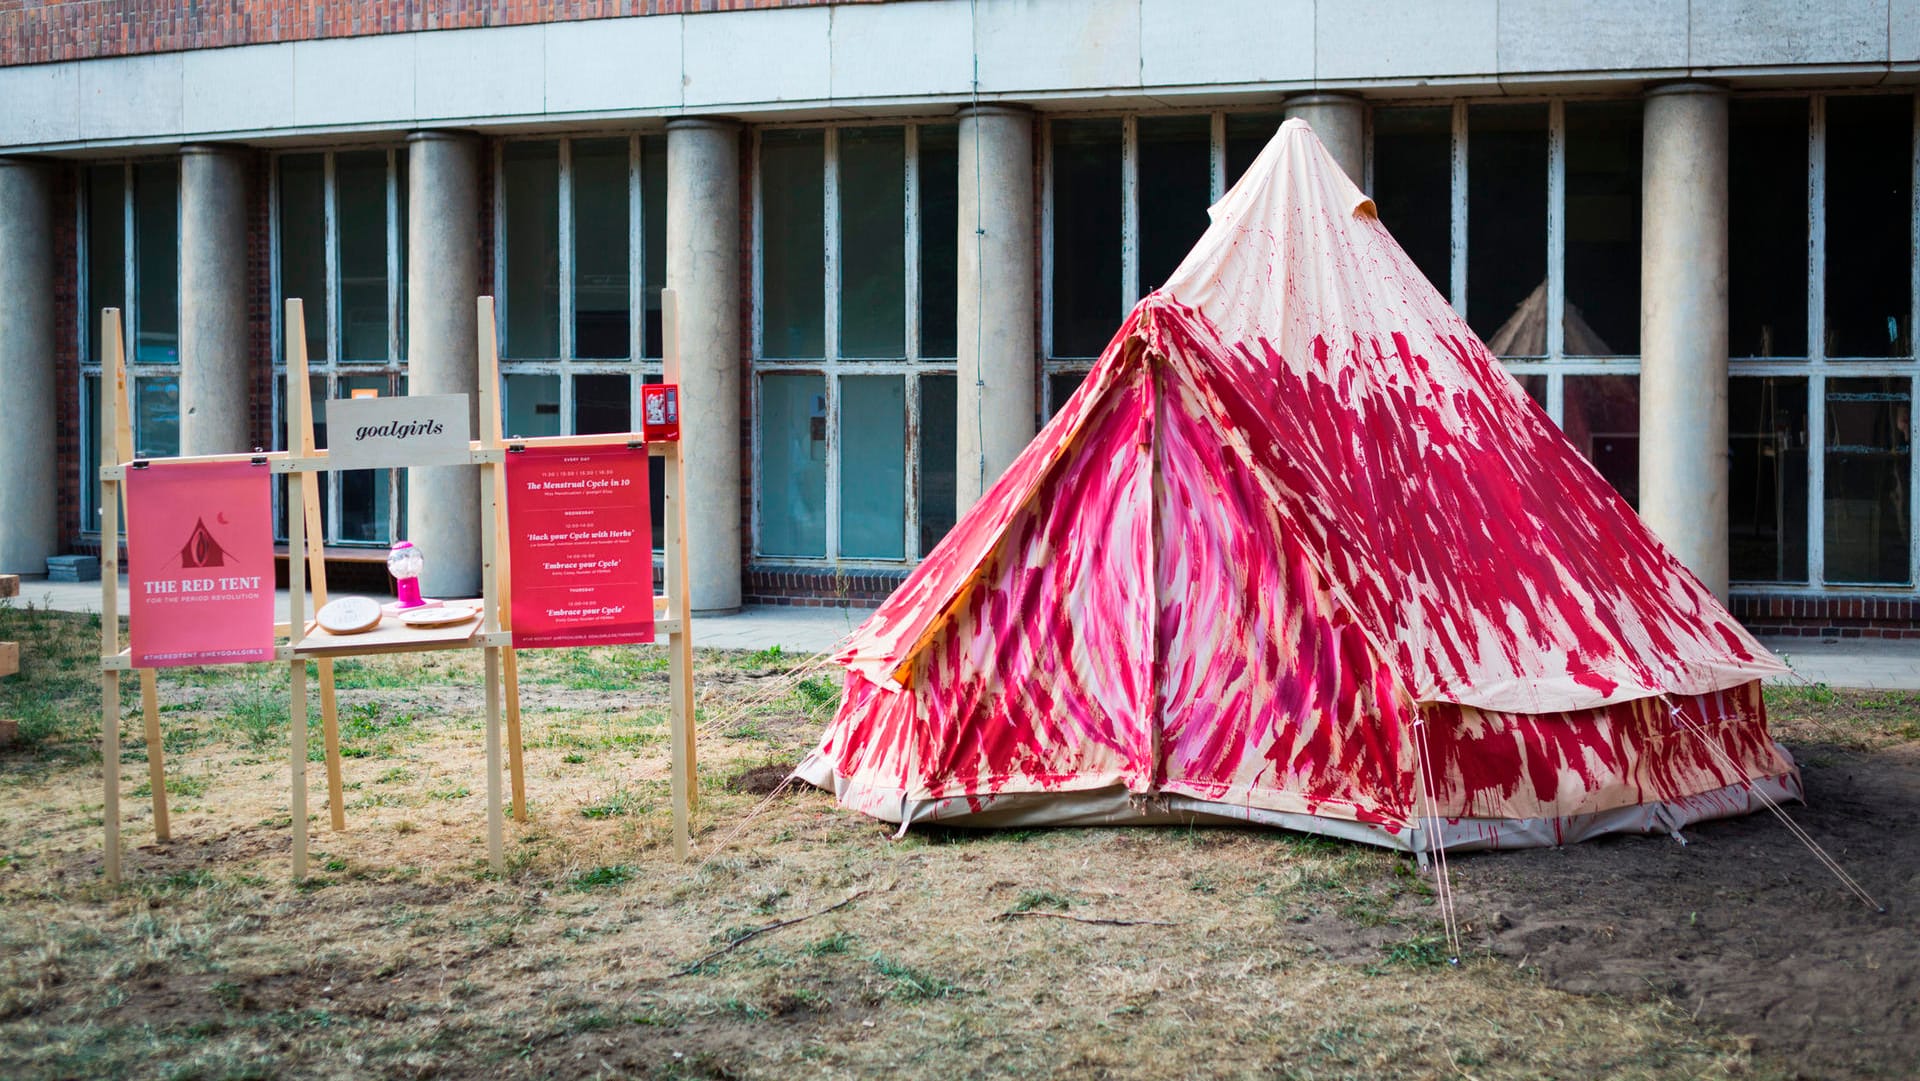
<point x="1236" y="953"/>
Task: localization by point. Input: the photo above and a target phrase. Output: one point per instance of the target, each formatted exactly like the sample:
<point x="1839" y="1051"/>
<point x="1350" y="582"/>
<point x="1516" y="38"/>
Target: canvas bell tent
<point x="1300" y="552"/>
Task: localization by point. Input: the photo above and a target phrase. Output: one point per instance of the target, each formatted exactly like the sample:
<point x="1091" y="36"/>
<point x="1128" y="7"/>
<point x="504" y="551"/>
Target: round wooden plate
<point x="349" y="615"/>
<point x="443" y="616"/>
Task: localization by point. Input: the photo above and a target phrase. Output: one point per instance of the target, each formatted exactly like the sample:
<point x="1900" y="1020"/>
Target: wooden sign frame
<point x="299" y="640"/>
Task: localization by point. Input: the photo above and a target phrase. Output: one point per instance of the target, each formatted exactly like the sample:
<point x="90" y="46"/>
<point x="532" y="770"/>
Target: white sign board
<point x="388" y="433"/>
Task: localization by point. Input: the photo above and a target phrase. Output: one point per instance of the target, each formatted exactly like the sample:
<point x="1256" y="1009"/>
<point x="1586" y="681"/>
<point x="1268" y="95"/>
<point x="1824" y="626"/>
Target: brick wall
<point x="50" y="30"/>
<point x="1828" y="617"/>
<point x="66" y="350"/>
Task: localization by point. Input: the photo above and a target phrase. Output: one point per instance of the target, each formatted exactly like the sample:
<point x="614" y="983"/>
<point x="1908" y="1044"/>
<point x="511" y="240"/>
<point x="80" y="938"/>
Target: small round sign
<point x="349" y="615"/>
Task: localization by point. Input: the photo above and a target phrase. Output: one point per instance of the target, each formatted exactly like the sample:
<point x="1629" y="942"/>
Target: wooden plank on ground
<point x="9" y="658"/>
<point x="9" y="585"/>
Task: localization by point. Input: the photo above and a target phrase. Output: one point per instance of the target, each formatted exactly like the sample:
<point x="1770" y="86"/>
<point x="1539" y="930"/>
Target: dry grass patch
<point x="1268" y="955"/>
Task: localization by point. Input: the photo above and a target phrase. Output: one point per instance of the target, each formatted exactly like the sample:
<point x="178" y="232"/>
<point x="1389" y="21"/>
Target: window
<point x="1126" y="200"/>
<point x="129" y="247"/>
<point x="340" y="247"/>
<point x="854" y="336"/>
<point x="1527" y="216"/>
<point x="1821" y="308"/>
<point x="581" y="258"/>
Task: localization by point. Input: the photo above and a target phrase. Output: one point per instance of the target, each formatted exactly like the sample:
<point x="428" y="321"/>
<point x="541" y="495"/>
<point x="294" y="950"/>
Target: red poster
<point x="200" y="563"/>
<point x="581" y="545"/>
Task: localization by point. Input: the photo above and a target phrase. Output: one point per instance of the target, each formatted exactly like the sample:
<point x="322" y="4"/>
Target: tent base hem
<point x="1115" y="806"/>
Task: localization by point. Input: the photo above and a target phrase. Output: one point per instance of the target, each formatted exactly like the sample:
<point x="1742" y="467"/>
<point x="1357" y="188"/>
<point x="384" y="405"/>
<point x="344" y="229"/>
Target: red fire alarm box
<point x="660" y="412"/>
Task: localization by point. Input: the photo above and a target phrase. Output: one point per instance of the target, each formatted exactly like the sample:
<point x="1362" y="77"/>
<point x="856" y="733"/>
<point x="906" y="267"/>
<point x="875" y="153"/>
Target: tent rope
<point x="1442" y="876"/>
<point x="1695" y="729"/>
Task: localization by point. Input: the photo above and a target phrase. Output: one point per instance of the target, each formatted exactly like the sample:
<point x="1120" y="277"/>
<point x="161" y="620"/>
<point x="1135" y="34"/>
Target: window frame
<point x="330" y="368"/>
<point x="1817" y="368"/>
<point x="88" y="318"/>
<point x="565" y="365"/>
<point x="831" y="367"/>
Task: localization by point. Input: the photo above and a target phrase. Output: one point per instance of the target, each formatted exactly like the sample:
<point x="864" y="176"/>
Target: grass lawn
<point x="1233" y="953"/>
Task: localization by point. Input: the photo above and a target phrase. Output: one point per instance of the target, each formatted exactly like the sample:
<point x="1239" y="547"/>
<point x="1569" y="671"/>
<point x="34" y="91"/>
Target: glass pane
<point x="1767" y="227"/>
<point x="156" y="231"/>
<point x="1535" y="385"/>
<point x="793" y="465"/>
<point x="793" y="243"/>
<point x="530" y="180"/>
<point x="365" y="494"/>
<point x="303" y="244"/>
<point x="317" y="395"/>
<point x="873" y="242"/>
<point x="90" y="456"/>
<point x="873" y="467"/>
<point x="1603" y="422"/>
<point x="602" y="403"/>
<point x="1247" y="135"/>
<point x="657" y="488"/>
<point x="1767" y="479"/>
<point x="1176" y="187"/>
<point x="1507" y="227"/>
<point x="653" y="225"/>
<point x="360" y="180"/>
<point x="1869" y="230"/>
<point x="1869" y="444"/>
<point x="400" y="202"/>
<point x="156" y="417"/>
<point x="1060" y="387"/>
<point x="1086" y="236"/>
<point x="939" y="237"/>
<point x="1413" y="186"/>
<point x="939" y="411"/>
<point x="1602" y="316"/>
<point x="106" y="249"/>
<point x="601" y="327"/>
<point x="532" y="406"/>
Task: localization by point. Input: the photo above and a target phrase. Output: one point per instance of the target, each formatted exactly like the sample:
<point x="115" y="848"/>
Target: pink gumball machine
<point x="406" y="563"/>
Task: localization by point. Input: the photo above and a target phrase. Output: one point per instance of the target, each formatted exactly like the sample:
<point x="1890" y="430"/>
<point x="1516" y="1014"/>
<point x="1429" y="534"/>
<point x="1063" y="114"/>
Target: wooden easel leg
<point x="516" y="764"/>
<point x="110" y="767"/>
<point x="330" y="732"/>
<point x="297" y="752"/>
<point x="156" y="755"/>
<point x="682" y="735"/>
<point x="682" y="646"/>
<point x="496" y="828"/>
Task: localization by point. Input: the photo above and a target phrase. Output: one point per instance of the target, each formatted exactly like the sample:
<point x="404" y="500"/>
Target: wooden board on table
<point x="391" y="636"/>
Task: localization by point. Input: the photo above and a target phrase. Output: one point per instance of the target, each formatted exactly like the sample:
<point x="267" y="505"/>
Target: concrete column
<point x="703" y="270"/>
<point x="1683" y="326"/>
<point x="29" y="520"/>
<point x="443" y="280"/>
<point x="997" y="362"/>
<point x="214" y="358"/>
<point x="1340" y="120"/>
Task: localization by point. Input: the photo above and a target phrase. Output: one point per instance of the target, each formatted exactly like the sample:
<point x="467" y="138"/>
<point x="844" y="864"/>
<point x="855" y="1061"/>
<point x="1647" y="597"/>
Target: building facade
<point x="899" y="233"/>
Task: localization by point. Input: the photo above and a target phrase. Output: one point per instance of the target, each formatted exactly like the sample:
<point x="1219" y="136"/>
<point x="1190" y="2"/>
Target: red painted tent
<point x="1301" y="552"/>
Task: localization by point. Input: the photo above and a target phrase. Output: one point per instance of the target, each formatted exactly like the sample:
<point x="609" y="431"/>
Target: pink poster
<point x="581" y="545"/>
<point x="200" y="563"/>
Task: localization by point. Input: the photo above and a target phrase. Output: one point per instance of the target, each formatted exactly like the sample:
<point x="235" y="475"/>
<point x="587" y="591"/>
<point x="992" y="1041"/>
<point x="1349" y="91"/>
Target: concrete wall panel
<point x="130" y="97"/>
<point x="1226" y="41"/>
<point x="613" y="64"/>
<point x="499" y="71"/>
<point x="1903" y="30"/>
<point x="1592" y="35"/>
<point x="1393" y="37"/>
<point x="756" y="56"/>
<point x="353" y="80"/>
<point x="1050" y="45"/>
<point x="237" y="89"/>
<point x="43" y="104"/>
<point x="896" y="50"/>
<point x="1746" y="32"/>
